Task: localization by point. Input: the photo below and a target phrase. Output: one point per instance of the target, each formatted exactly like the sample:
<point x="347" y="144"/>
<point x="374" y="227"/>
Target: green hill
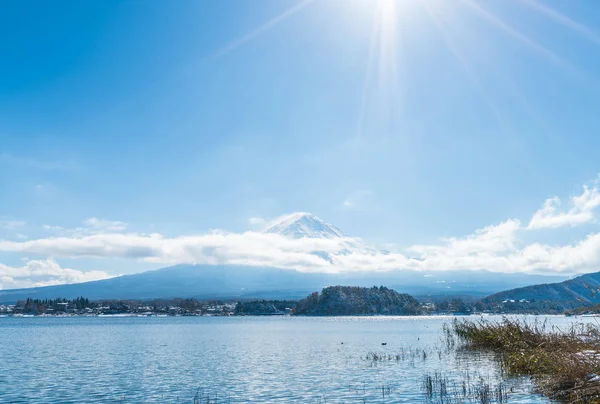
<point x="580" y="291"/>
<point x="357" y="301"/>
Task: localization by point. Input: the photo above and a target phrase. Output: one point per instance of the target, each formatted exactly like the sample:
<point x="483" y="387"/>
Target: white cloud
<point x="250" y="248"/>
<point x="9" y="224"/>
<point x="53" y="228"/>
<point x="582" y="210"/>
<point x="357" y="200"/>
<point x="496" y="248"/>
<point x="93" y="225"/>
<point x="257" y="221"/>
<point x="43" y="273"/>
<point x="489" y="240"/>
<point x="105" y="225"/>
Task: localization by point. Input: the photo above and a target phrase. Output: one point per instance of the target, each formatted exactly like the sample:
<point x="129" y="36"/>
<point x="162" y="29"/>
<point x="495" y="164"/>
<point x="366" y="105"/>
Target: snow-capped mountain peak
<point x="303" y="225"/>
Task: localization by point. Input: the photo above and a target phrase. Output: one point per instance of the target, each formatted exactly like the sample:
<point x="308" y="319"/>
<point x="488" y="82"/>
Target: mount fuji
<point x="303" y="225"/>
<point x="243" y="281"/>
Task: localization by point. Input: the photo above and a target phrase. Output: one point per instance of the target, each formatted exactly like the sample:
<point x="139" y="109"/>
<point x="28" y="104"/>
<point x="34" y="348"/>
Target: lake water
<point x="235" y="359"/>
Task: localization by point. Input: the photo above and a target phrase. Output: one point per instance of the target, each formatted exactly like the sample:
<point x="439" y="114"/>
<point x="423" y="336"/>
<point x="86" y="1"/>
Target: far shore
<point x="432" y="315"/>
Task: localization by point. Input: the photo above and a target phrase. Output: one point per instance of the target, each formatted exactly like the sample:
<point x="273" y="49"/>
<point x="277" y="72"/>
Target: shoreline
<point x="448" y="315"/>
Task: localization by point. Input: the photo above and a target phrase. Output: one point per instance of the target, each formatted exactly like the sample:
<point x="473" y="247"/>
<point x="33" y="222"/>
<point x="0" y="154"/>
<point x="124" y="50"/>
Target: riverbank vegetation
<point x="438" y="388"/>
<point x="564" y="363"/>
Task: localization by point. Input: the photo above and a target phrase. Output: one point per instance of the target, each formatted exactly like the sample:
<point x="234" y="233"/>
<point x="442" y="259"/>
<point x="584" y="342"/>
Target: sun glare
<point x="389" y="29"/>
<point x="380" y="102"/>
<point x="386" y="5"/>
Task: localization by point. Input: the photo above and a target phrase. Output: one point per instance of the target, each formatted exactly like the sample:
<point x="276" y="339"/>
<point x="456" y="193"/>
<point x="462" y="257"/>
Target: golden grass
<point x="564" y="363"/>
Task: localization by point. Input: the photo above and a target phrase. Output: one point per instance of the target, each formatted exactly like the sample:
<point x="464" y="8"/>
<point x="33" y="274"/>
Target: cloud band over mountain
<point x="303" y="242"/>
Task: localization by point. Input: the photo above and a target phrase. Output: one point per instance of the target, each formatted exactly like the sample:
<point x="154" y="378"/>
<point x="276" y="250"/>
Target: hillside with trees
<point x="264" y="307"/>
<point x="357" y="301"/>
<point x="583" y="290"/>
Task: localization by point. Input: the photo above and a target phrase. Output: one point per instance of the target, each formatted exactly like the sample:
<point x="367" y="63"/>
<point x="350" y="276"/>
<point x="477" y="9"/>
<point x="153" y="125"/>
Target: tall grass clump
<point x="565" y="364"/>
<point x="205" y="397"/>
<point x="439" y="389"/>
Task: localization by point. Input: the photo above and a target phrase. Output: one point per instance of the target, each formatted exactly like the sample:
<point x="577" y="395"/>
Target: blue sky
<point x="399" y="121"/>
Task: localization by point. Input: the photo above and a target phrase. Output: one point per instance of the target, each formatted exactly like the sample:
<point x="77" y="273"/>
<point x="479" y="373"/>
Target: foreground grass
<point x="439" y="389"/>
<point x="564" y="363"/>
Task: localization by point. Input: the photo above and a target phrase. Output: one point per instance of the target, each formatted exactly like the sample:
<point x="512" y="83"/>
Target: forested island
<point x="357" y="301"/>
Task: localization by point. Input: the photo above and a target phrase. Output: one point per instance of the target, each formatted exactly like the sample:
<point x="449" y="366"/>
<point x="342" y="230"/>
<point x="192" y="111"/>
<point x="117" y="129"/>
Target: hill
<point x="580" y="291"/>
<point x="264" y="307"/>
<point x="352" y="301"/>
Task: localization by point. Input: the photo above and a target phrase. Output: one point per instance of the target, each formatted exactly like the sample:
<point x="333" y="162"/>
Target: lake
<point x="238" y="359"/>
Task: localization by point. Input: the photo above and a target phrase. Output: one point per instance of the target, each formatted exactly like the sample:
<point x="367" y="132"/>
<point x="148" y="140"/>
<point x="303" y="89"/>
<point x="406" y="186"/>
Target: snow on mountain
<point x="303" y="225"/>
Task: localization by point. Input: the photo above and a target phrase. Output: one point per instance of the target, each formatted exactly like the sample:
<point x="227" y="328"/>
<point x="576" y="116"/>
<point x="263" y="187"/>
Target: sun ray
<point x="440" y="25"/>
<point x="439" y="20"/>
<point x="508" y="82"/>
<point x="528" y="107"/>
<point x="563" y="20"/>
<point x="388" y="69"/>
<point x="382" y="68"/>
<point x="367" y="81"/>
<point x="547" y="53"/>
<point x="256" y="32"/>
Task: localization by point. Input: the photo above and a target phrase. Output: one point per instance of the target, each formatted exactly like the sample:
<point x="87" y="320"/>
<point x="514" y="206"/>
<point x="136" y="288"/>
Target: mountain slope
<point x="237" y="281"/>
<point x="584" y="289"/>
<point x="228" y="282"/>
<point x="205" y="281"/>
<point x="303" y="225"/>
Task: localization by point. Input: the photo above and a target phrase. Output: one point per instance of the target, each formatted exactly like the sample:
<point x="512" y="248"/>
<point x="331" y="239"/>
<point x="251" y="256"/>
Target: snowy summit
<point x="303" y="225"/>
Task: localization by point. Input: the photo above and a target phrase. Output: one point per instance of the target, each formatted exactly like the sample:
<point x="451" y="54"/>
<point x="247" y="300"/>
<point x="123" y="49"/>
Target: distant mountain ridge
<point x="582" y="290"/>
<point x="229" y="282"/>
<point x="238" y="281"/>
